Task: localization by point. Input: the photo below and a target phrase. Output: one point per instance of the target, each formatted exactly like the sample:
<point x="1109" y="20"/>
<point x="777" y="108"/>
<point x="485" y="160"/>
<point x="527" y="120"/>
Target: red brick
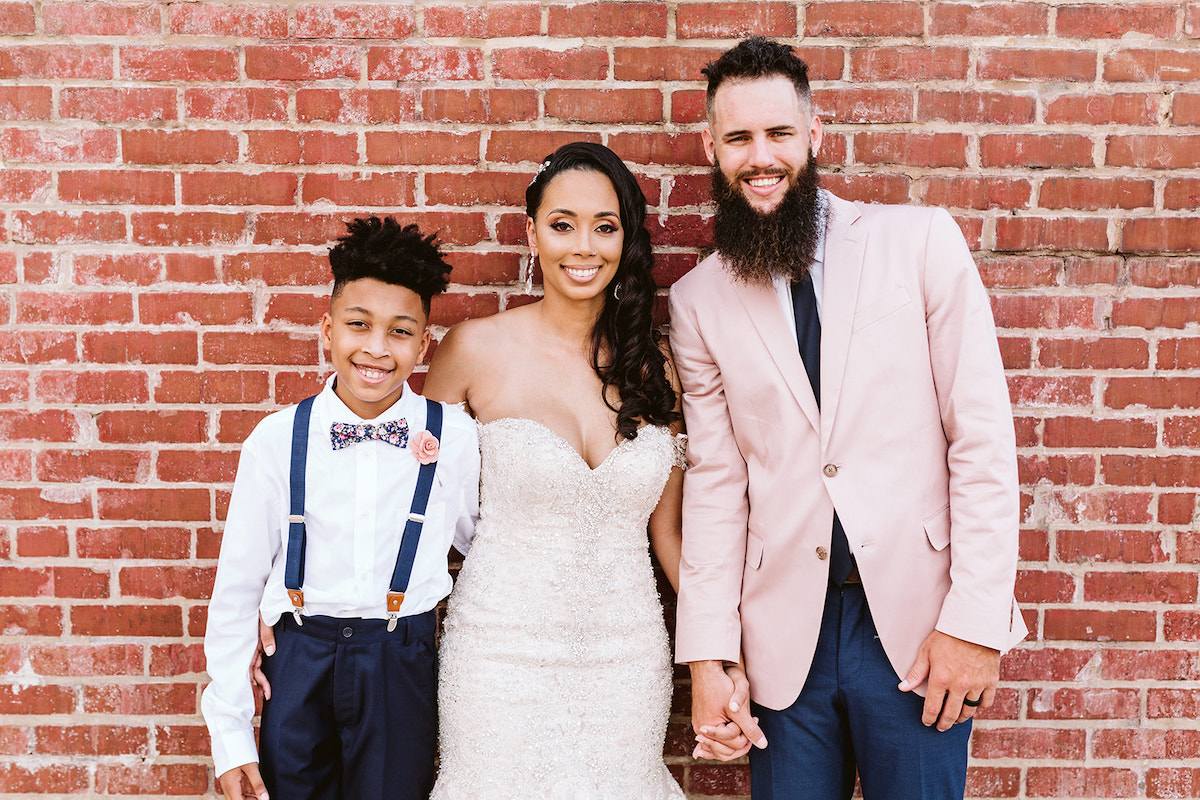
<point x="254" y="20"/>
<point x="38" y="426"/>
<point x="1103" y="626"/>
<point x="126" y="543"/>
<point x="626" y="18"/>
<point x="74" y="466"/>
<point x="1027" y="743"/>
<point x="140" y="269"/>
<point x="1181" y="626"/>
<point x="126" y="620"/>
<point x="1155" y="312"/>
<point x="1038" y="586"/>
<point x="178" y="147"/>
<point x="1152" y="392"/>
<point x="172" y="779"/>
<point x="298" y="309"/>
<point x="707" y="778"/>
<point x="659" y="148"/>
<point x="1178" y="354"/>
<point x="1114" y="22"/>
<point x="1045" y="664"/>
<point x="296" y="62"/>
<point x="213" y="387"/>
<point x="1154" y="151"/>
<point x="975" y="193"/>
<point x="1035" y="150"/>
<point x="492" y="20"/>
<point x="239" y="189"/>
<point x="1177" y="508"/>
<point x="1083" y="703"/>
<point x="1152" y="65"/>
<point x="1081" y="782"/>
<point x="100" y="387"/>
<point x="1172" y="234"/>
<point x="1108" y="353"/>
<point x="1124" y="547"/>
<point x="93" y="740"/>
<point x="989" y="19"/>
<point x="1160" y="273"/>
<point x="980" y="107"/>
<point x="605" y="105"/>
<point x="36" y="146"/>
<point x="1059" y="470"/>
<point x="18" y="582"/>
<point x="362" y="188"/>
<point x="863" y="105"/>
<point x="869" y="188"/>
<point x="452" y="228"/>
<point x="292" y="387"/>
<point x="301" y="147"/>
<point x="583" y="63"/>
<point x="454" y="307"/>
<point x="1172" y="703"/>
<point x="1139" y="665"/>
<point x="1128" y="470"/>
<point x="141" y="699"/>
<point x="1091" y="194"/>
<point x="25" y="102"/>
<point x="101" y="19"/>
<point x="62" y="227"/>
<point x="1140" y="587"/>
<point x="203" y="308"/>
<point x="44" y="779"/>
<point x="1052" y="233"/>
<point x="1181" y="431"/>
<point x="177" y="659"/>
<point x="1185" y="109"/>
<point x="348" y="21"/>
<point x="262" y="347"/>
<point x="510" y="147"/>
<point x="1172" y="782"/>
<point x="726" y="20"/>
<point x="17" y="18"/>
<point x="679" y="230"/>
<point x="356" y="106"/>
<point x="1007" y="271"/>
<point x="1103" y="109"/>
<point x="913" y="149"/>
<point x="425" y="148"/>
<point x="19" y="186"/>
<point x="909" y="63"/>
<point x="197" y="466"/>
<point x="236" y="104"/>
<point x="163" y="63"/>
<point x="81" y="582"/>
<point x="993" y="781"/>
<point x="1099" y="433"/>
<point x="279" y="269"/>
<point x="152" y="426"/>
<point x="161" y="229"/>
<point x="27" y="620"/>
<point x="192" y="583"/>
<point x="1043" y="311"/>
<point x="86" y="62"/>
<point x="234" y="426"/>
<point x="1101" y="505"/>
<point x="1040" y="64"/>
<point x="1191" y="23"/>
<point x="37" y="347"/>
<point x="116" y="187"/>
<point x="424" y="64"/>
<point x="1181" y="193"/>
<point x="486" y="188"/>
<point x="144" y="347"/>
<point x="858" y="19"/>
<point x="43" y="542"/>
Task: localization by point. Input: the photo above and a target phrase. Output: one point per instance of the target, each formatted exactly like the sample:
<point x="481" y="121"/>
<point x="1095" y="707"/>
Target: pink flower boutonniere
<point x="424" y="446"/>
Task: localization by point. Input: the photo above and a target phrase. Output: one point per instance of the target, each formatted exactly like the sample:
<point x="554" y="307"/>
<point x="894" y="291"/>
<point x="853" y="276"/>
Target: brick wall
<point x="172" y="170"/>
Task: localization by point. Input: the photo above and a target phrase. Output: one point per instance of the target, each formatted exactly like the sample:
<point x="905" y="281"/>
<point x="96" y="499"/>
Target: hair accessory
<point x="541" y="168"/>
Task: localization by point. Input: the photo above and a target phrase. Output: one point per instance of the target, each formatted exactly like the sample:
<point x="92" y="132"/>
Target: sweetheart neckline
<point x="562" y="440"/>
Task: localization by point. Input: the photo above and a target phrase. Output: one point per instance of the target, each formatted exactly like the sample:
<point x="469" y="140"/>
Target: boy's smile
<point x="376" y="334"/>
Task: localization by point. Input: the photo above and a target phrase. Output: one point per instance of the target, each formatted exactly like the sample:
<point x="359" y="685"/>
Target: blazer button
<point x="830" y="470"/>
<point x="822" y="553"/>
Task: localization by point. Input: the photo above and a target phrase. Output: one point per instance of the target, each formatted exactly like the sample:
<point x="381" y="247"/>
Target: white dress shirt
<point x="356" y="503"/>
<point x="783" y="284"/>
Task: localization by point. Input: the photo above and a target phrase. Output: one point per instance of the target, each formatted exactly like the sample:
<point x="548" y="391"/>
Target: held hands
<point x="720" y="712"/>
<point x="266" y="644"/>
<point x="243" y="782"/>
<point x="962" y="678"/>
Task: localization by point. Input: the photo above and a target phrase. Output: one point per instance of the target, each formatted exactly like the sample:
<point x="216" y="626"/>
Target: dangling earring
<point x="530" y="263"/>
<point x="616" y="291"/>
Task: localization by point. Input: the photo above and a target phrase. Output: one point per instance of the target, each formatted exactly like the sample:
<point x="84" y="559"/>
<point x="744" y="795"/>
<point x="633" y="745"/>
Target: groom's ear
<point x="710" y="146"/>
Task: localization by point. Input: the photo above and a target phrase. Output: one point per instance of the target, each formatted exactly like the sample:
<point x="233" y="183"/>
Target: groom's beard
<point x="757" y="246"/>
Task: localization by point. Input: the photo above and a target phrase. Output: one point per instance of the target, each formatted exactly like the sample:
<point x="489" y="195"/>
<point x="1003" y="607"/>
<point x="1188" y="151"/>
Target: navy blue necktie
<point x="808" y="336"/>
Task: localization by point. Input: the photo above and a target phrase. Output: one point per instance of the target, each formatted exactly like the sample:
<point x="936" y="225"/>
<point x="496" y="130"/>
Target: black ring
<point x="972" y="703"/>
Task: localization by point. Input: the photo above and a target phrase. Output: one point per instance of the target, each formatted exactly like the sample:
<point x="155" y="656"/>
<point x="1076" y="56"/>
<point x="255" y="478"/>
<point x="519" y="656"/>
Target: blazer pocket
<point x="874" y="312"/>
<point x="937" y="528"/>
<point x="754" y="551"/>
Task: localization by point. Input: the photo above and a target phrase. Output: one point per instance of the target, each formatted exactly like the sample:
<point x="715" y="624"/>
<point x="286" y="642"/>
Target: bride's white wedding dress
<point x="555" y="675"/>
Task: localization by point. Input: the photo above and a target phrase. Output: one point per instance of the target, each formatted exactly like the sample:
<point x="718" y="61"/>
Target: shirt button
<point x="347" y="632"/>
<point x="830" y="470"/>
<point x="822" y="553"/>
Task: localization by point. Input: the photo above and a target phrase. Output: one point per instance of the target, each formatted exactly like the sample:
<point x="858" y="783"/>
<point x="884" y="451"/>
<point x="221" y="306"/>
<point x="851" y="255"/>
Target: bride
<point x="555" y="675"/>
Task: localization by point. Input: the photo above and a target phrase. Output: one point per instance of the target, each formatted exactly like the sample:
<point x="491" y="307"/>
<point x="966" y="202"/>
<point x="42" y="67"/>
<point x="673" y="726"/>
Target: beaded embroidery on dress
<point x="555" y="675"/>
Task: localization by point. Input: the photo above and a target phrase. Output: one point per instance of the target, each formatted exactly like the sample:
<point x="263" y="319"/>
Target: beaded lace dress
<point x="555" y="674"/>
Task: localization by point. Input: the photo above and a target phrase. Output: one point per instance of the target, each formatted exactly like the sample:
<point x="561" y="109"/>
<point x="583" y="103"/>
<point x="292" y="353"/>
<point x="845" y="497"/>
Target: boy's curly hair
<point x="380" y="248"/>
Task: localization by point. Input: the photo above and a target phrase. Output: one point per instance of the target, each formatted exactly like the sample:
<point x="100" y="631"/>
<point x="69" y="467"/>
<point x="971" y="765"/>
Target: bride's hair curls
<point x="625" y="347"/>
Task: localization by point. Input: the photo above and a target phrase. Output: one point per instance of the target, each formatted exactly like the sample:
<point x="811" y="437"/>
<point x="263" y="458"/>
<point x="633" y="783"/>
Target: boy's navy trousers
<point x="353" y="709"/>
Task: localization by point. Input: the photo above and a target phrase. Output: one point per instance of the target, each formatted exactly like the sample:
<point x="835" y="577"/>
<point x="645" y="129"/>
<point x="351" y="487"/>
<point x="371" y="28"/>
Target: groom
<point x="851" y="503"/>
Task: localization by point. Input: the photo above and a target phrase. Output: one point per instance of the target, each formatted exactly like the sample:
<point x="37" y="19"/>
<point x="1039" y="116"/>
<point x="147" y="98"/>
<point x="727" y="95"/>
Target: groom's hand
<point x="958" y="671"/>
<point x="720" y="712"/>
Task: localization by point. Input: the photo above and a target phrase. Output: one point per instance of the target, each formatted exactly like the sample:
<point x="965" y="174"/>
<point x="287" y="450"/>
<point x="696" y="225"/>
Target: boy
<point x="338" y="537"/>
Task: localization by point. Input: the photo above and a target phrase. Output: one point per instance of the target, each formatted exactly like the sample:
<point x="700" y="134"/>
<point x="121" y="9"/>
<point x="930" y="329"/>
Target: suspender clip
<point x="394" y="601"/>
<point x="297" y="598"/>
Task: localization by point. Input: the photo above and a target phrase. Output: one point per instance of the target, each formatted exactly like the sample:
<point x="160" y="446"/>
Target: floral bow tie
<point x="343" y="434"/>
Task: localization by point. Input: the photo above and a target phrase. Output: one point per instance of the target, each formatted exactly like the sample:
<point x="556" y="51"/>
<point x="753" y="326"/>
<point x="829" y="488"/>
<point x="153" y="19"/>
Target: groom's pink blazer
<point x="913" y="446"/>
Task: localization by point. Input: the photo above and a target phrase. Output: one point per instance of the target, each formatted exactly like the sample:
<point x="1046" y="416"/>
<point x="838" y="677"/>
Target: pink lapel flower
<point x="424" y="446"/>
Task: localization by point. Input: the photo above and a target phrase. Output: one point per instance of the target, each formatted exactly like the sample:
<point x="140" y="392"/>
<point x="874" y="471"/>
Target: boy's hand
<point x="243" y="782"/>
<point x="266" y="644"/>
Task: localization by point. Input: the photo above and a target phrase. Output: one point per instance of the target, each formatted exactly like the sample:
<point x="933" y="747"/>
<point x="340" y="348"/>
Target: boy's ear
<point x="327" y="331"/>
<point x="426" y="338"/>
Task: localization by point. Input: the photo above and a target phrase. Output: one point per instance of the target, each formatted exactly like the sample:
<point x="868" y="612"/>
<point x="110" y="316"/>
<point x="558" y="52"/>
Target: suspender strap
<point x="416" y="520"/>
<point x="293" y="574"/>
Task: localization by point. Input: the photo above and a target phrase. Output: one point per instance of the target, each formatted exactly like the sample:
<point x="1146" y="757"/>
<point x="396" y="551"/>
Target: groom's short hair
<point x="757" y="57"/>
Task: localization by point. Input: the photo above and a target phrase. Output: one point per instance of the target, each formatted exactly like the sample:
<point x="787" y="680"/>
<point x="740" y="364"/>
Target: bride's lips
<point x="581" y="274"/>
<point x="372" y="375"/>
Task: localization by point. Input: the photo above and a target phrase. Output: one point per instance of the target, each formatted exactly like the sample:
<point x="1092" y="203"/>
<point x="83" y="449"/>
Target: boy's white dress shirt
<point x="356" y="503"/>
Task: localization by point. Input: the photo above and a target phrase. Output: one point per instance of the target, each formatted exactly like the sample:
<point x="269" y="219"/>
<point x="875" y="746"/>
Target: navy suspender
<point x="293" y="575"/>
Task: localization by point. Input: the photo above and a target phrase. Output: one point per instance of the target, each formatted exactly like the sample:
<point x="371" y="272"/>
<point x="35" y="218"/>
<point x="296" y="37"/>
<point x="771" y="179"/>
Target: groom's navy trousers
<point x="353" y="710"/>
<point x="849" y="716"/>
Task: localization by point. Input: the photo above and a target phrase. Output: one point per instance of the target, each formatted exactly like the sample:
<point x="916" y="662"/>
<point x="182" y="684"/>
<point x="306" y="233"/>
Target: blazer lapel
<point x="762" y="306"/>
<point x="844" y="249"/>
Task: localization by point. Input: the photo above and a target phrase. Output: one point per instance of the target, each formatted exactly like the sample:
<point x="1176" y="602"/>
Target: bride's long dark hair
<point x="625" y="348"/>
